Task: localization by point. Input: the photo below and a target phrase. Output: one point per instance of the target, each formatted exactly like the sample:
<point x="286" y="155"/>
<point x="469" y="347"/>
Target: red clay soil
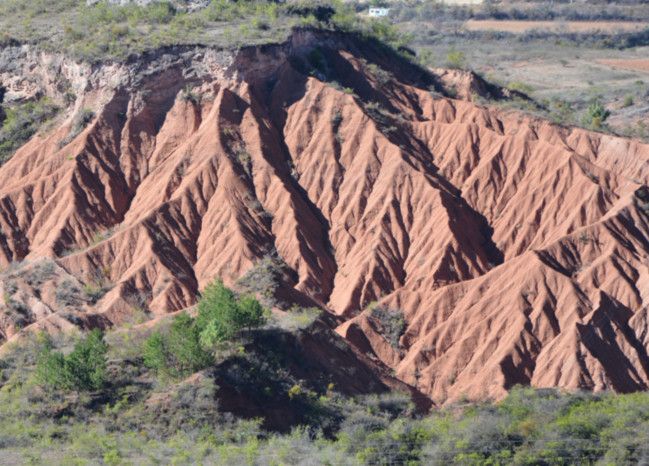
<point x="517" y="250"/>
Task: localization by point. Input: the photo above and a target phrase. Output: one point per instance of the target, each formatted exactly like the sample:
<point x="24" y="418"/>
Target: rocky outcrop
<point x="516" y="250"/>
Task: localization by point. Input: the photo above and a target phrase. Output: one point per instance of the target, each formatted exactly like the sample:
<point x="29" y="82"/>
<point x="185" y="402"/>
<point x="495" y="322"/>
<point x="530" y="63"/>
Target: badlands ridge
<point x="515" y="251"/>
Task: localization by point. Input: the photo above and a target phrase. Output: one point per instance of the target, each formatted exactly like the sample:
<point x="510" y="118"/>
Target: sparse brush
<point x="381" y="76"/>
<point x="21" y="122"/>
<point x="265" y="279"/>
<point x="189" y="95"/>
<point x="81" y="120"/>
<point x="68" y="293"/>
<point x="392" y="323"/>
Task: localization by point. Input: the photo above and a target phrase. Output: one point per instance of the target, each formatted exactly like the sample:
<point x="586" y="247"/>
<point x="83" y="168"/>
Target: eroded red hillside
<point x="515" y="250"/>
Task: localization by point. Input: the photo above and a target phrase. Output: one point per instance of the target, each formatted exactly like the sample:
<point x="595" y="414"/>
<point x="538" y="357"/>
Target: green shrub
<point x="50" y="370"/>
<point x="185" y="347"/>
<point x="83" y="369"/>
<point x="384" y="31"/>
<point x="221" y="315"/>
<point x="153" y="352"/>
<point x="177" y="352"/>
<point x="596" y="115"/>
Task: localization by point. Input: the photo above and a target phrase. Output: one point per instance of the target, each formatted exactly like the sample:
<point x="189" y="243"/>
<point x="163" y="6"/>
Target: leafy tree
<point x="154" y="352"/>
<point x="215" y="307"/>
<point x="221" y="315"/>
<point x="596" y="115"/>
<point x="177" y="352"/>
<point x="185" y="347"/>
<point x="83" y="369"/>
<point x="86" y="365"/>
<point x="50" y="369"/>
<point x="250" y="313"/>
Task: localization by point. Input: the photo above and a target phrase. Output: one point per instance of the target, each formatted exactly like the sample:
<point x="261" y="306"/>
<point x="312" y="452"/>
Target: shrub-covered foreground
<point x="138" y="419"/>
<point x="142" y="395"/>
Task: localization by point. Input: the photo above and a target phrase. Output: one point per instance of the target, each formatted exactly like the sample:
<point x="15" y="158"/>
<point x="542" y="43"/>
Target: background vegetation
<point x="107" y="31"/>
<point x="563" y="70"/>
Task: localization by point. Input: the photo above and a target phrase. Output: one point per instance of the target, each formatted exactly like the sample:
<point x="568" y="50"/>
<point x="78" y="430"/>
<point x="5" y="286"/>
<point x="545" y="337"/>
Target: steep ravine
<point x="516" y="251"/>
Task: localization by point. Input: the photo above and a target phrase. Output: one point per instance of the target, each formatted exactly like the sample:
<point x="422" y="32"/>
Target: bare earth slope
<point x="516" y="250"/>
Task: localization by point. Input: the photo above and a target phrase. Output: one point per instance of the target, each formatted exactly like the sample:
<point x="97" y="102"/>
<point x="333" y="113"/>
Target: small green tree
<point x="83" y="369"/>
<point x="177" y="352"/>
<point x="596" y="115"/>
<point x="50" y="369"/>
<point x="185" y="347"/>
<point x="221" y="315"/>
<point x="250" y="313"/>
<point x="216" y="310"/>
<point x="86" y="365"/>
<point x="153" y="352"/>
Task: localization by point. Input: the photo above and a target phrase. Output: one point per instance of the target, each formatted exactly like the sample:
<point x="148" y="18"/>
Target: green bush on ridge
<point x="83" y="369"/>
<point x="221" y="315"/>
<point x="177" y="352"/>
<point x="596" y="115"/>
<point x="186" y="347"/>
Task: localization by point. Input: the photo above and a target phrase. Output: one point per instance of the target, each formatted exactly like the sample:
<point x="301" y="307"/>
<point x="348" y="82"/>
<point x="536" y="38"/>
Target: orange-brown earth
<point x="521" y="26"/>
<point x="633" y="64"/>
<point x="516" y="251"/>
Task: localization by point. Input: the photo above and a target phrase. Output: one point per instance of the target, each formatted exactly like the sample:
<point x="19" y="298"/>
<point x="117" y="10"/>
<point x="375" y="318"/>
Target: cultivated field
<point x="640" y="64"/>
<point x="516" y="26"/>
<point x="567" y="57"/>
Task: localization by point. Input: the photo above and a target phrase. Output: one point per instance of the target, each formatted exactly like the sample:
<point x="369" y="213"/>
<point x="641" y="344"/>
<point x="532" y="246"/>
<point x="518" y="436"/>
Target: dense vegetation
<point x="83" y="369"/>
